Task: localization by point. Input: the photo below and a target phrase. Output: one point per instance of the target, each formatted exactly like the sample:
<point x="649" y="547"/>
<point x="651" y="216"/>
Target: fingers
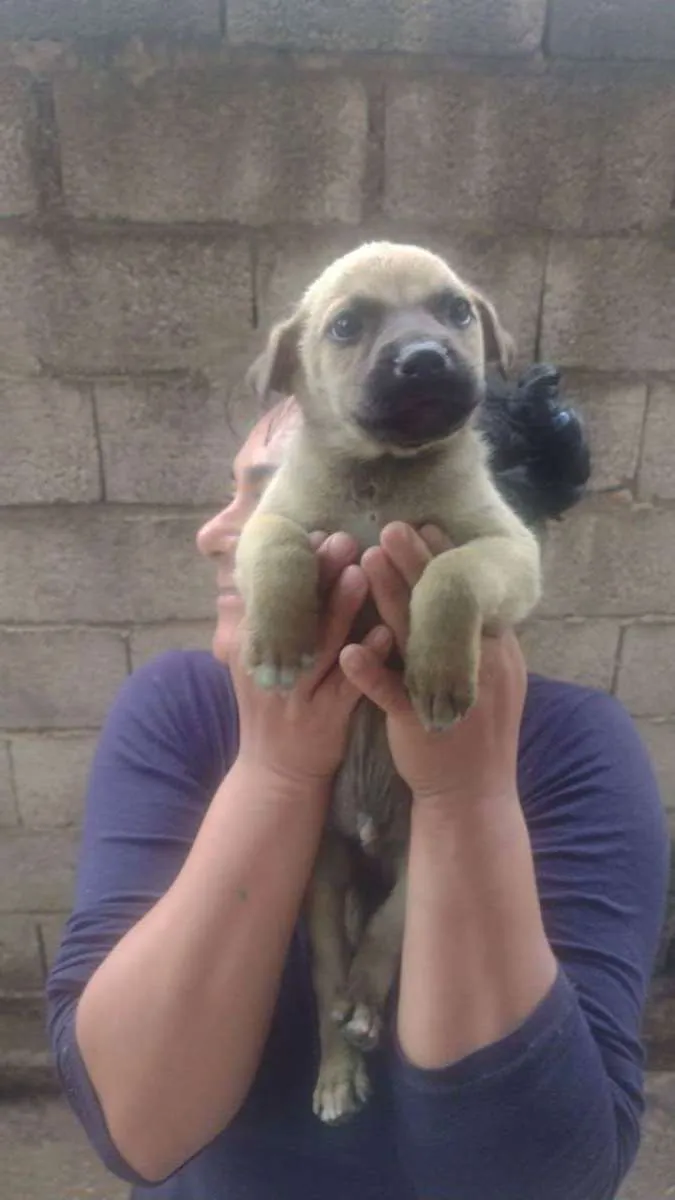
<point x="345" y="600"/>
<point x="334" y="553"/>
<point x="390" y="593"/>
<point x="393" y="569"/>
<point x="364" y="669"/>
<point x="406" y="550"/>
<point x="435" y="539"/>
<point x="378" y="642"/>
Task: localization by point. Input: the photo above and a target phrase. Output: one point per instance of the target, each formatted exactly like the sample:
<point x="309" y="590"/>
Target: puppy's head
<point x="386" y="351"/>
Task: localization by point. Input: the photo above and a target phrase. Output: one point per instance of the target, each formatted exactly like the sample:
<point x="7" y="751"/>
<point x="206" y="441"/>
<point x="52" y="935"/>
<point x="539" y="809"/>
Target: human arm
<point x="189" y="888"/>
<point x="531" y="931"/>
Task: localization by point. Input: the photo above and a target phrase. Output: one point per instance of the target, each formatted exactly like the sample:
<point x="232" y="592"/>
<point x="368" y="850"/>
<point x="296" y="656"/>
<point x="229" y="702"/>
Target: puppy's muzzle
<point x="418" y="391"/>
<point x="422" y="360"/>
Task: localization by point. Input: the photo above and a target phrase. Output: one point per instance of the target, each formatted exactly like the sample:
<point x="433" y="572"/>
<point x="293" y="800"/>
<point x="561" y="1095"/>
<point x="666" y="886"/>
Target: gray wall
<point x="161" y="199"/>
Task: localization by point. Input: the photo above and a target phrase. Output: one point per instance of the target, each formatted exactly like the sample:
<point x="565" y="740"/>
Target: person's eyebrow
<point x="259" y="473"/>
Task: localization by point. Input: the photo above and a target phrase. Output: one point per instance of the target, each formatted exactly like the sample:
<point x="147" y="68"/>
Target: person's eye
<point x="457" y="310"/>
<point x="347" y="326"/>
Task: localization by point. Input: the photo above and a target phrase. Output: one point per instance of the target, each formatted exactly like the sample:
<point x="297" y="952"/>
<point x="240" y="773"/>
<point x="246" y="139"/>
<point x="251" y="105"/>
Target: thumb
<point x="366" y="672"/>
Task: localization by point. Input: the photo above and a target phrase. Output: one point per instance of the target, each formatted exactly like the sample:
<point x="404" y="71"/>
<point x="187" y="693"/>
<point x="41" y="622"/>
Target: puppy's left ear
<point x="275" y="370"/>
<point x="499" y="345"/>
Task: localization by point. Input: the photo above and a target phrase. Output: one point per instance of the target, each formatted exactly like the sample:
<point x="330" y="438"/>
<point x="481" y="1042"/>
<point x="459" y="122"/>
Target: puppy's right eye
<point x="347" y="326"/>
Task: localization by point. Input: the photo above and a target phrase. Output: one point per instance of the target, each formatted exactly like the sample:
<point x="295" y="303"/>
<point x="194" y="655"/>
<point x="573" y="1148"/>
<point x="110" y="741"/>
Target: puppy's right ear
<point x="276" y="368"/>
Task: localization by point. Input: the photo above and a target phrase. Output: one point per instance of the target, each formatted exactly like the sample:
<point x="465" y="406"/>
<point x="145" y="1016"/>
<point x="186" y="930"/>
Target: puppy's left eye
<point x="458" y="310"/>
<point x="347" y="326"/>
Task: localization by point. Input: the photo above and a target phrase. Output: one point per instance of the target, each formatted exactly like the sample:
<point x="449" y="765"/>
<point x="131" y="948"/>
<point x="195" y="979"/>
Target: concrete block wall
<point x="170" y="175"/>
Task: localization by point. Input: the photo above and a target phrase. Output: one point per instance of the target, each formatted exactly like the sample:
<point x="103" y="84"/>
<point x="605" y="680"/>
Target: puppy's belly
<point x="370" y="803"/>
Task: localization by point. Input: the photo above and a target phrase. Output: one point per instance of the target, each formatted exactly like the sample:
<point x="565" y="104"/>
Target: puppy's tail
<point x="539" y="450"/>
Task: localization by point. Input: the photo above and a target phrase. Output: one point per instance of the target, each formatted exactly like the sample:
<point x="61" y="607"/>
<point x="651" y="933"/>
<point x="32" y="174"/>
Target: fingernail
<point x="339" y="543"/>
<point x="353" y="578"/>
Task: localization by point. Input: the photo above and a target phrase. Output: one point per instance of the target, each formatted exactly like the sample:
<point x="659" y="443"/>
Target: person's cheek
<point x="230" y="616"/>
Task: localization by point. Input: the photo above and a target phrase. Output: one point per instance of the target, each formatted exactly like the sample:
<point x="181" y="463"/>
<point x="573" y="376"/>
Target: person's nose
<point x="219" y="534"/>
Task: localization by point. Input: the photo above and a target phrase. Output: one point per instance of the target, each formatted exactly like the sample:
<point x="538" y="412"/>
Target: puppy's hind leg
<point x="342" y="1085"/>
<point x="373" y="971"/>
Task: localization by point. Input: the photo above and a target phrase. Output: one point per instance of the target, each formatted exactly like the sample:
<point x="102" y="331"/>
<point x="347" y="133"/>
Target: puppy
<point x="386" y="353"/>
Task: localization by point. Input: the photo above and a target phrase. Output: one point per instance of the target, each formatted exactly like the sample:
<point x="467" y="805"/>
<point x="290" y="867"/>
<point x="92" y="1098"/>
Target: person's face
<point x="217" y="539"/>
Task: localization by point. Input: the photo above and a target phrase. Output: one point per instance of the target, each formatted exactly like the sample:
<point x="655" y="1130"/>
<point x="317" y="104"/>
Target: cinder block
<point x="494" y="151"/>
<point x="656" y="478"/>
<point x="25" y="261"/>
<point x="32" y="19"/>
<point x="100" y="564"/>
<point x="500" y="28"/>
<point x="170" y="441"/>
<point x="612" y="29"/>
<point x="58" y="678"/>
<point x="111" y="303"/>
<point x="49" y="444"/>
<point x="646" y="681"/>
<point x="149" y="304"/>
<point x="606" y="165"/>
<point x="288" y="262"/>
<point x="510" y="270"/>
<point x="214" y="144"/>
<point x="612" y="562"/>
<point x="659" y="738"/>
<point x="17" y="189"/>
<point x="51" y="928"/>
<point x="9" y="813"/>
<point x="149" y="641"/>
<point x="37" y="871"/>
<point x="51" y="775"/>
<point x="605" y="302"/>
<point x="613" y="410"/>
<point x="20" y="964"/>
<point x="575" y="650"/>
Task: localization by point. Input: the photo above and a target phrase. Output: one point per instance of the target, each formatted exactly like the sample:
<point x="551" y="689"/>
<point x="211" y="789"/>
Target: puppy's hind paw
<point x="342" y="1088"/>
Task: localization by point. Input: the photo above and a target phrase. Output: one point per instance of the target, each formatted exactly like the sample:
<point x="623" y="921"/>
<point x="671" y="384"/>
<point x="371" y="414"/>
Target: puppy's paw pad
<point x="342" y="1088"/>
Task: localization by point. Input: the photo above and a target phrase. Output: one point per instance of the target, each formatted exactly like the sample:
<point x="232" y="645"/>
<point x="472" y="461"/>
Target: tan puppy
<point x="386" y="354"/>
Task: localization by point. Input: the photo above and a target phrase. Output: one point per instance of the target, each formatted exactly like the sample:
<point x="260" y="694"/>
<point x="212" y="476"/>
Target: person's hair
<point x="538" y="446"/>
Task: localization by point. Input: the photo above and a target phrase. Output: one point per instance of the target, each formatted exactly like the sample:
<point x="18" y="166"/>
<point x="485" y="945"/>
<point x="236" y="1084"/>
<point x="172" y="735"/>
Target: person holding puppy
<point x="180" y="1003"/>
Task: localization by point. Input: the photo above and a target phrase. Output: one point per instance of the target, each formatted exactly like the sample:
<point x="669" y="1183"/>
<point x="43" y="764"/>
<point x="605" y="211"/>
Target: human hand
<point x="477" y="757"/>
<point x="300" y="736"/>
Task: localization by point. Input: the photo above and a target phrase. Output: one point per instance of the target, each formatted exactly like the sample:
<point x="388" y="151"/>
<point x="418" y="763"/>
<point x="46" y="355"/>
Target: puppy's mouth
<point x="417" y="394"/>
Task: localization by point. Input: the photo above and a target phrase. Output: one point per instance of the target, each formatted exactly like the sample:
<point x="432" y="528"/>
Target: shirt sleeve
<point x="163" y="750"/>
<point x="553" y="1110"/>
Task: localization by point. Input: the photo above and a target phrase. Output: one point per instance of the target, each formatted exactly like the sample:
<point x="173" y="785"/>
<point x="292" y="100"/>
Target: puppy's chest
<point x="368" y="504"/>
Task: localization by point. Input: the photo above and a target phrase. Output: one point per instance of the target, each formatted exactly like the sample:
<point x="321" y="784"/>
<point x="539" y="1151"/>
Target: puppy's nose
<point x="422" y="360"/>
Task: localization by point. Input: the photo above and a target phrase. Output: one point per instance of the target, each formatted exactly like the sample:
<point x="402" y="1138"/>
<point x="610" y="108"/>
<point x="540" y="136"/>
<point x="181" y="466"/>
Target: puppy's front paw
<point x="276" y="664"/>
<point x="281" y="641"/>
<point x="343" y="1087"/>
<point x="442" y="657"/>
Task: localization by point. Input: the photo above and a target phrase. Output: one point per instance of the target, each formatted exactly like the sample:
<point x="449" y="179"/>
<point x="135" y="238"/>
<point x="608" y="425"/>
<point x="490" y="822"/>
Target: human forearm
<point x="476" y="960"/>
<point x="172" y="1024"/>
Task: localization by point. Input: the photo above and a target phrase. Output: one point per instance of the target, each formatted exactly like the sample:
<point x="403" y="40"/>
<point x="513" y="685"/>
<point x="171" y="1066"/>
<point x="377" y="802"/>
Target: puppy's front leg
<point x="490" y="581"/>
<point x="277" y="575"/>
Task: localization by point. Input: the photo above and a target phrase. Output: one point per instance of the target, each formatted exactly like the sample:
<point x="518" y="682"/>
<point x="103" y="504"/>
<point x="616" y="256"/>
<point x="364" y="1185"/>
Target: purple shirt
<point x="551" y="1112"/>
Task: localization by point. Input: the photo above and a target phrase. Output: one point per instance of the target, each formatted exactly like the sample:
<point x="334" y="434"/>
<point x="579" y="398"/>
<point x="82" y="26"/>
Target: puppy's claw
<point x="439" y="709"/>
<point x="271" y="678"/>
